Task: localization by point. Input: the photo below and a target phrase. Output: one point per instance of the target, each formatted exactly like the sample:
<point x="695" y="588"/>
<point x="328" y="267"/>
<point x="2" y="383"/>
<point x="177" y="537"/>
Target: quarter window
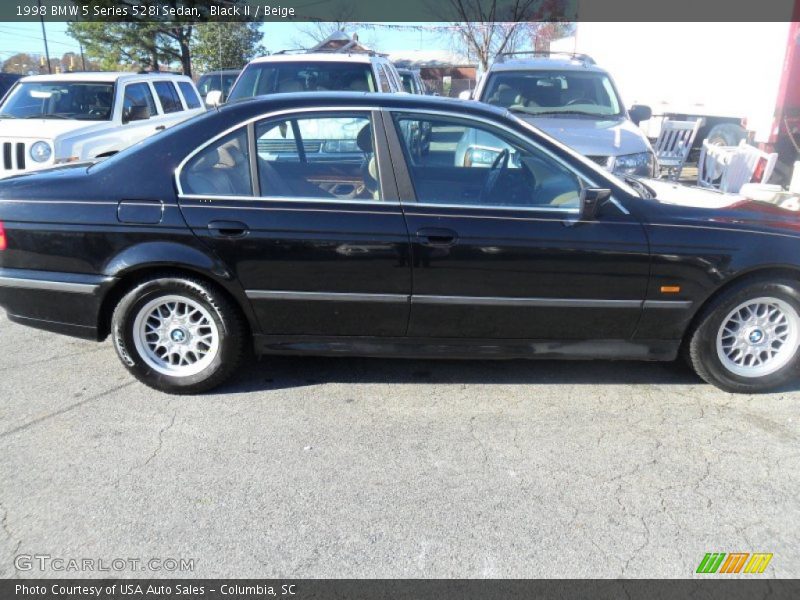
<point x="168" y="96"/>
<point x="189" y="95"/>
<point x="318" y="156"/>
<point x="222" y="169"/>
<point x="138" y="94"/>
<point x="461" y="162"/>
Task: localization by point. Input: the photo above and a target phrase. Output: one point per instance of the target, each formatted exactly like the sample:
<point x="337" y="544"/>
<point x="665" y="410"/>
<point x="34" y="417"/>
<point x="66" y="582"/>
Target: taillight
<point x="3" y="243"/>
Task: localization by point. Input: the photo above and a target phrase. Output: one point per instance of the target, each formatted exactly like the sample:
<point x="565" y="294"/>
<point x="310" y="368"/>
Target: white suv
<point x="47" y="120"/>
<point x="315" y="71"/>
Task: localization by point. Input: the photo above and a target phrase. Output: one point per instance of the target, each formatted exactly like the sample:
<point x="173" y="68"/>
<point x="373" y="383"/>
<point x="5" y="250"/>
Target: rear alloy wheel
<point x="178" y="335"/>
<point x="748" y="340"/>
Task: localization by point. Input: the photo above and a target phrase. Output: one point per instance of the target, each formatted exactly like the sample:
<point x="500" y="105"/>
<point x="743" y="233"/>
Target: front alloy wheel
<point x="747" y="340"/>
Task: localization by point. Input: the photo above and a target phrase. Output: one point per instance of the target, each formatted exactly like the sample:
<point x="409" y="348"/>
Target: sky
<point x="27" y="37"/>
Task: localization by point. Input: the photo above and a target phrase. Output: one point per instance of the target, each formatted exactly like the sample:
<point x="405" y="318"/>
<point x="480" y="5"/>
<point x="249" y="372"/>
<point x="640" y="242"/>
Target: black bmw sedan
<point x="312" y="224"/>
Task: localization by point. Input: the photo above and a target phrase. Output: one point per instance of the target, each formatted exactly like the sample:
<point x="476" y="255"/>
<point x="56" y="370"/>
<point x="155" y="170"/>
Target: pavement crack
<point x="64" y="410"/>
<point x="11" y="538"/>
<point x="161" y="433"/>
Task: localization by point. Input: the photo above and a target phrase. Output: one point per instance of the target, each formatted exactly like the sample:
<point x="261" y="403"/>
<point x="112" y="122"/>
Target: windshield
<point x="553" y="93"/>
<point x="302" y="76"/>
<point x="221" y="82"/>
<point x="60" y="100"/>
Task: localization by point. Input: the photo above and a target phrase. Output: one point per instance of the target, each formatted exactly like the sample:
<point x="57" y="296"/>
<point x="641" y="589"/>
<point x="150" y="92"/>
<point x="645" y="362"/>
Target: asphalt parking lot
<point x="387" y="468"/>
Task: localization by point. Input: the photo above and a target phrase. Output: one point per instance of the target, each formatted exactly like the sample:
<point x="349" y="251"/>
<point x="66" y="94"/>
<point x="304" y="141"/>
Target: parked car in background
<point x="575" y="101"/>
<point x="47" y="120"/>
<point x="217" y="81"/>
<point x="186" y="248"/>
<point x="6" y="81"/>
<point x="287" y="72"/>
<point x="412" y="81"/>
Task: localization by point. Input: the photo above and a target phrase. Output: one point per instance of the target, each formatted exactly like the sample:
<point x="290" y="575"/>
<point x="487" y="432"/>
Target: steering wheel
<point x="575" y="101"/>
<point x="498" y="167"/>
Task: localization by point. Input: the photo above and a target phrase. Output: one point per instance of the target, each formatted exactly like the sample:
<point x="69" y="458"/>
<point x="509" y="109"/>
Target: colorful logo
<point x="734" y="562"/>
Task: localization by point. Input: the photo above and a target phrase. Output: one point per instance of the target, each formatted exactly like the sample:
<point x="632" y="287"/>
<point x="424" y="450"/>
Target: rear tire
<point x="747" y="340"/>
<point x="178" y="335"/>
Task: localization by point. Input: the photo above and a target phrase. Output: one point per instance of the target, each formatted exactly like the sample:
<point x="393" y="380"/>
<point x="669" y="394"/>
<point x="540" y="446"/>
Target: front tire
<point x="178" y="335"/>
<point x="747" y="340"/>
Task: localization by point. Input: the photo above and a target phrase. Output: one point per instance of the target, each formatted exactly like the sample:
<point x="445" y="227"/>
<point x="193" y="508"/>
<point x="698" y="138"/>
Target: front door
<point x="304" y="211"/>
<point x="497" y="249"/>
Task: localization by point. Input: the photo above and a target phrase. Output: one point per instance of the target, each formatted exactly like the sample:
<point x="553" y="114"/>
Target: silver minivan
<point x="569" y="97"/>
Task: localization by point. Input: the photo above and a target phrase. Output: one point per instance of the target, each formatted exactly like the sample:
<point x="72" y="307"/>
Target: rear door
<point x="304" y="209"/>
<point x="497" y="249"/>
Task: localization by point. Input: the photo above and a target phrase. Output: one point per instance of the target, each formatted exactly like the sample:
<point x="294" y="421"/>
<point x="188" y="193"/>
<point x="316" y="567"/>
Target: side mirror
<point x="465" y="95"/>
<point x="639" y="113"/>
<point x="136" y="113"/>
<point x="590" y="202"/>
<point x="214" y="98"/>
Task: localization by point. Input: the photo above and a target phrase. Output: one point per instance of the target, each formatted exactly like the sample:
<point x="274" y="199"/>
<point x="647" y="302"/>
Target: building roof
<point x="417" y="59"/>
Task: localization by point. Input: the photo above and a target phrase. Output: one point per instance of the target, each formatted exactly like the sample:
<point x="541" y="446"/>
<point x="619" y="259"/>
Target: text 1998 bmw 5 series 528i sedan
<point x="315" y="224"/>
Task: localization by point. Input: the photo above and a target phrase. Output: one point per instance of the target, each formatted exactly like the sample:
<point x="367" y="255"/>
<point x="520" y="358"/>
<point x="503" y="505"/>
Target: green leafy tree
<point x="132" y="45"/>
<point x="220" y="45"/>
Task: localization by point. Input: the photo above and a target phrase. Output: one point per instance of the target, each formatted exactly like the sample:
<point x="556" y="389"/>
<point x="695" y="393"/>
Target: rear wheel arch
<point x="136" y="275"/>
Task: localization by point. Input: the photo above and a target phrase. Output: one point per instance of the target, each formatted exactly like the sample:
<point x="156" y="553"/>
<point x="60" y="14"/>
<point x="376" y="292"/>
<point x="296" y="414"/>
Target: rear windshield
<point x="302" y="76"/>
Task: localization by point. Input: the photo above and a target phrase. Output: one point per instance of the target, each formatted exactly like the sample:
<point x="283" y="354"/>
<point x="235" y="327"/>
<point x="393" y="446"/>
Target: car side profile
<point x="243" y="236"/>
<point x="47" y="120"/>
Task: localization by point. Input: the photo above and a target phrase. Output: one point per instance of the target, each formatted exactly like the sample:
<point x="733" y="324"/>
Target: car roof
<point x="356" y="57"/>
<point x="544" y="64"/>
<point x="101" y="76"/>
<point x="333" y="100"/>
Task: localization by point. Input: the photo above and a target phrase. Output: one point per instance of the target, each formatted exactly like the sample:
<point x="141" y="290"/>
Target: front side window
<point x="60" y="100"/>
<point x="318" y="156"/>
<point x="302" y="76"/>
<point x="168" y="96"/>
<point x="553" y="93"/>
<point x="468" y="163"/>
<point x="189" y="95"/>
<point x="137" y="94"/>
<point x="221" y="169"/>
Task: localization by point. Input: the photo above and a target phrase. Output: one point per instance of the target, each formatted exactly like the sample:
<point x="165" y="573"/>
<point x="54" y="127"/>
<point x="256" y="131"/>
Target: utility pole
<point x="44" y="37"/>
<point x="83" y="60"/>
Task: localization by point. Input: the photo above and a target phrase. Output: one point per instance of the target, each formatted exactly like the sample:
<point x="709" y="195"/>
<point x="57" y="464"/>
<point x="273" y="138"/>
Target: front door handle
<point x="437" y="237"/>
<point x="228" y="229"/>
<point x="161" y="127"/>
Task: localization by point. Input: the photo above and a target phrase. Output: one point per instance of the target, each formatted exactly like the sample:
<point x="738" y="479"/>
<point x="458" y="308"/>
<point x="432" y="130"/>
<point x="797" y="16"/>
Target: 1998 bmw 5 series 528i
<point x="319" y="224"/>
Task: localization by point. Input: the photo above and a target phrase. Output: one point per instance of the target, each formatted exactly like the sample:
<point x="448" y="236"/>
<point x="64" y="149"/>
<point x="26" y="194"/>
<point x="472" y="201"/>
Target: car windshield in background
<point x="301" y="76"/>
<point x="554" y="93"/>
<point x="220" y="82"/>
<point x="61" y="100"/>
<point x="408" y="83"/>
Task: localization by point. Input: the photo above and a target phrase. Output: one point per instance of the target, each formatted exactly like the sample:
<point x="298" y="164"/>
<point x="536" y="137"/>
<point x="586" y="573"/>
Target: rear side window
<point x="168" y="95"/>
<point x="138" y="94"/>
<point x="189" y="95"/>
<point x="222" y="169"/>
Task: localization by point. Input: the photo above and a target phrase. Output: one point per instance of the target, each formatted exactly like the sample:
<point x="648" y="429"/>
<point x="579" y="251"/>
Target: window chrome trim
<point x="269" y="115"/>
<point x="295" y="199"/>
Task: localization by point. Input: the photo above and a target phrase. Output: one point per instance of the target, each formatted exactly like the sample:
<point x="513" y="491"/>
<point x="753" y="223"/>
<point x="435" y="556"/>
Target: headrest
<point x="290" y="85"/>
<point x="364" y="139"/>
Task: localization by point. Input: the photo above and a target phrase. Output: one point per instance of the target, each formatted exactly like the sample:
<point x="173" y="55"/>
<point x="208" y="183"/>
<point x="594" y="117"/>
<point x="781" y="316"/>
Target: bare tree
<point x="488" y="28"/>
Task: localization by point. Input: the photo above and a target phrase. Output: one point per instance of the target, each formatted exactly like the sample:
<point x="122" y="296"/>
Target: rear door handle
<point x="161" y="127"/>
<point x="228" y="229"/>
<point x="434" y="236"/>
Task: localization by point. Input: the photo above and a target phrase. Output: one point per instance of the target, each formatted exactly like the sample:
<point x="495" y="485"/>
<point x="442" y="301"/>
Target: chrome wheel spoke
<point x="758" y="337"/>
